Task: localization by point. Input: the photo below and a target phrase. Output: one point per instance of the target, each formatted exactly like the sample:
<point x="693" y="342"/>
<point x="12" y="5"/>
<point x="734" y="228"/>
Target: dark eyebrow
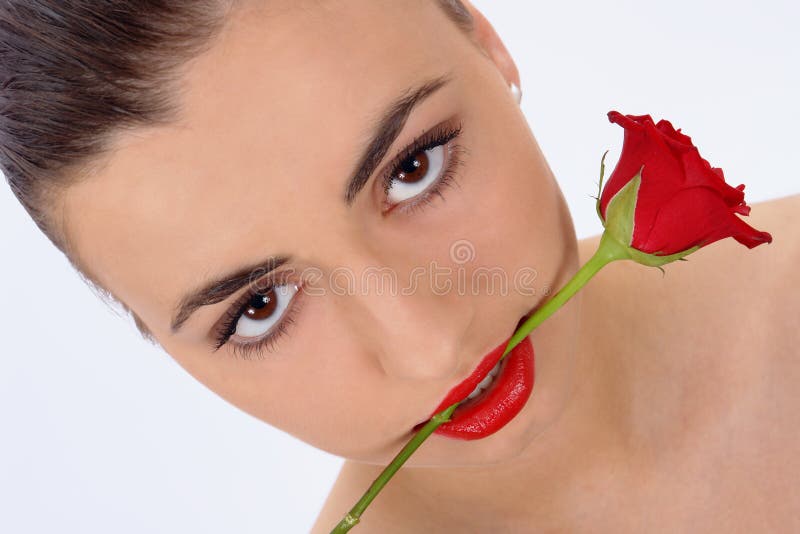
<point x="222" y="288"/>
<point x="389" y="127"/>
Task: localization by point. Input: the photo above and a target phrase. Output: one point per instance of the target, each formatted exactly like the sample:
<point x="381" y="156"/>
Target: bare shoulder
<point x="396" y="510"/>
<point x="765" y="278"/>
<point x="383" y="517"/>
<point x="338" y="502"/>
<point x="781" y="218"/>
<point x="761" y="284"/>
<point x="713" y="344"/>
<point x="723" y="286"/>
<point x="722" y="324"/>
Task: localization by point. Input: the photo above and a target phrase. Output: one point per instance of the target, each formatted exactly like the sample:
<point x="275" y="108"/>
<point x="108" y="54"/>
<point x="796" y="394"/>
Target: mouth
<point x="492" y="395"/>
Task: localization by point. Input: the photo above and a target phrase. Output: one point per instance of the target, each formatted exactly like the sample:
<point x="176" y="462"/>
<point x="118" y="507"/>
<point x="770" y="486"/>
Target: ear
<point x="492" y="45"/>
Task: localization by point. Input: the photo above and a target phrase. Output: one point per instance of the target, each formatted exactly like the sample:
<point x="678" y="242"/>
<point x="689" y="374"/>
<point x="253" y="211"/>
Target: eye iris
<point x="414" y="169"/>
<point x="261" y="306"/>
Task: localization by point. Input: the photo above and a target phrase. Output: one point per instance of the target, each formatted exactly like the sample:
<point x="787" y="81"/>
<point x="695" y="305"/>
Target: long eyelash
<point x="438" y="136"/>
<point x="448" y="179"/>
<point x="268" y="342"/>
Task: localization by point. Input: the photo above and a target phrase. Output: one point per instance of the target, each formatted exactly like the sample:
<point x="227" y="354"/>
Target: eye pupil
<point x="414" y="168"/>
<point x="262" y="306"/>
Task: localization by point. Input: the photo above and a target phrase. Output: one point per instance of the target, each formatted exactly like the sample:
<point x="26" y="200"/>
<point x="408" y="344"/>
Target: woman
<point x="230" y="191"/>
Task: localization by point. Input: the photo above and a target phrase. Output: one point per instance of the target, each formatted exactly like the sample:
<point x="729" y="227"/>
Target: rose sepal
<point x="619" y="222"/>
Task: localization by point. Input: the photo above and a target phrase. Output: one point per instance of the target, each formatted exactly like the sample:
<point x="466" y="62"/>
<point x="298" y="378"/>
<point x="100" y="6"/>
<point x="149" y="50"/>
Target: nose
<point x="413" y="336"/>
<point x="411" y="327"/>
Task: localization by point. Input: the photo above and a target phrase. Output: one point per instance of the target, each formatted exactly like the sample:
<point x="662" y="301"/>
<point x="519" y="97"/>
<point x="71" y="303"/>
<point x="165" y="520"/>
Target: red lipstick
<point x="496" y="405"/>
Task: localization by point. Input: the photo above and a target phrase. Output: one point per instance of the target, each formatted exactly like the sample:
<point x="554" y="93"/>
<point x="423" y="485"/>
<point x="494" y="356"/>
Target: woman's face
<point x="390" y="312"/>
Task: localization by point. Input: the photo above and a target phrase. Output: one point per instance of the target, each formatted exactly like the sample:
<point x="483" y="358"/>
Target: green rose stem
<point x="354" y="515"/>
<point x="616" y="243"/>
<point x="608" y="251"/>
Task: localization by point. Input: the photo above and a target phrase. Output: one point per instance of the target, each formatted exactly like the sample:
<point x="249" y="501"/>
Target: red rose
<point x="679" y="202"/>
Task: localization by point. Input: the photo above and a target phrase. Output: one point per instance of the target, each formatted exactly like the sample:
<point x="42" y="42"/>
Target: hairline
<point x="453" y="9"/>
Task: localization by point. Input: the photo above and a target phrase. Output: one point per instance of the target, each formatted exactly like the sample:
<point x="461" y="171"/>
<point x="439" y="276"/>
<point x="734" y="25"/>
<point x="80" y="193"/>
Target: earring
<point x="516" y="92"/>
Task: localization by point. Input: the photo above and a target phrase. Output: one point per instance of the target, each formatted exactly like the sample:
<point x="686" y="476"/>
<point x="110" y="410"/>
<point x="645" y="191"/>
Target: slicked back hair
<point x="73" y="74"/>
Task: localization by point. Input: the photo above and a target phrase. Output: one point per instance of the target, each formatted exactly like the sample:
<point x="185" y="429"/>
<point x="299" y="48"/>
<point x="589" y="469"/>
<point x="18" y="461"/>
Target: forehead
<point x="274" y="116"/>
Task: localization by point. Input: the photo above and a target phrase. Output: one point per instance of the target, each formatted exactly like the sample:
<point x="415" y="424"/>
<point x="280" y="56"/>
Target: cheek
<point x="511" y="196"/>
<point x="510" y="205"/>
<point x="320" y="386"/>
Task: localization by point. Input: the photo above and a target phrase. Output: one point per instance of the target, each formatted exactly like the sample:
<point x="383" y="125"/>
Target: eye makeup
<point x="409" y="158"/>
<point x="257" y="304"/>
<point x="263" y="297"/>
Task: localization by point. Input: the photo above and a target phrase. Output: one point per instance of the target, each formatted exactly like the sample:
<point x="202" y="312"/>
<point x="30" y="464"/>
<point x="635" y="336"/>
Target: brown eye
<point x="416" y="174"/>
<point x="265" y="310"/>
<point x="414" y="169"/>
<point x="262" y="306"/>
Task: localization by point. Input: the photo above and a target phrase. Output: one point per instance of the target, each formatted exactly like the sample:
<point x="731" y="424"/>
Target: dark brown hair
<point x="73" y="74"/>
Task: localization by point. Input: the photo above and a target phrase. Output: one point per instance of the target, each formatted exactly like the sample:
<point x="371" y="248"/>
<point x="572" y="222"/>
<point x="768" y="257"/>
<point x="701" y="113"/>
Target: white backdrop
<point x="100" y="432"/>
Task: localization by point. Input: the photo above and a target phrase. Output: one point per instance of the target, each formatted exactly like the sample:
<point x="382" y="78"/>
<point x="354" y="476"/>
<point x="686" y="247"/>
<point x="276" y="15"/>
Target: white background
<point x="100" y="432"/>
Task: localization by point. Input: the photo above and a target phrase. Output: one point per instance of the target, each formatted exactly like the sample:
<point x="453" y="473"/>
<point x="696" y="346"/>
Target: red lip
<point x="491" y="410"/>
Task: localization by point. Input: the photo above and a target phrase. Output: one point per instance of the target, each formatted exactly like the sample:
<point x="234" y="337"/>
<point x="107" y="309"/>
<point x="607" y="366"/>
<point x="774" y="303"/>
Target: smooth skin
<point x="698" y="373"/>
<point x="661" y="404"/>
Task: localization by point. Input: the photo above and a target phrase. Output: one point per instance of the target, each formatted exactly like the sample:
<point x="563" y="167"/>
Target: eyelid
<point x="441" y="135"/>
<point x="225" y="327"/>
<point x="448" y="178"/>
<point x="267" y="342"/>
<point x="449" y="127"/>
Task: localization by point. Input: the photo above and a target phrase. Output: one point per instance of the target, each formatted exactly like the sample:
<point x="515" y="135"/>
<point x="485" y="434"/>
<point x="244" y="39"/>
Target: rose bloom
<point x="319" y="140"/>
<point x="682" y="201"/>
